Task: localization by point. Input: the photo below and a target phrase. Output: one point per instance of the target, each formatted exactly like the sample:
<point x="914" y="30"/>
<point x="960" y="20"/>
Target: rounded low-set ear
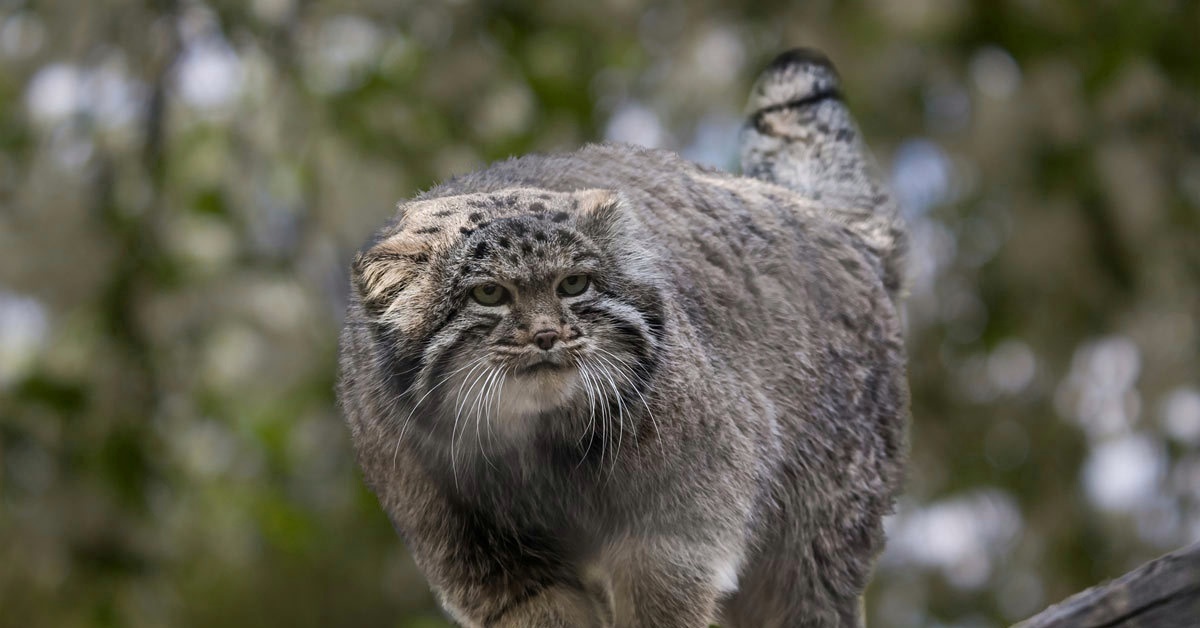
<point x="598" y="213"/>
<point x="383" y="271"/>
<point x="394" y="262"/>
<point x="610" y="219"/>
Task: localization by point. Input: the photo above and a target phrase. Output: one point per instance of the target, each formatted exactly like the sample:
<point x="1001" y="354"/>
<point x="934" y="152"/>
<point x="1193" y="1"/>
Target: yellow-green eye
<point x="573" y="285"/>
<point x="490" y="294"/>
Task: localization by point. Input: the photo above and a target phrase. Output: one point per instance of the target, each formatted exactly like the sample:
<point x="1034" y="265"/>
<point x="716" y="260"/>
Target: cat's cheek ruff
<point x="419" y="367"/>
<point x="402" y="362"/>
<point x="634" y="332"/>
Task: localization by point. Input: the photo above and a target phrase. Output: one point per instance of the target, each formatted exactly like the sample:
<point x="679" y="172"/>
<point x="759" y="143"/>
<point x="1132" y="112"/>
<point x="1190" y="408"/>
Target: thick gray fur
<point x="721" y="428"/>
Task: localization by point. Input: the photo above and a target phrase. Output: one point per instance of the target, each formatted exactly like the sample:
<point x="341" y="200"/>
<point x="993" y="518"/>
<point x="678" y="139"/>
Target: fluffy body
<point x="719" y="428"/>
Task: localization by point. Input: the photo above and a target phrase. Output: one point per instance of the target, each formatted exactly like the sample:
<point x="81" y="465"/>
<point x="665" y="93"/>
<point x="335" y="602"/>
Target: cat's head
<point x="498" y="312"/>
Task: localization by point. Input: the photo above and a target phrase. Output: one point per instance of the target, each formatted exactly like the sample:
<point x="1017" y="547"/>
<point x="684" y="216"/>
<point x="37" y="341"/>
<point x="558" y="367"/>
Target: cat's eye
<point x="573" y="285"/>
<point x="490" y="294"/>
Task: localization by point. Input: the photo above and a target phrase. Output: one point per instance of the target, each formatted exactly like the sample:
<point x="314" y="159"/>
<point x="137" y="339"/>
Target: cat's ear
<point x="386" y="269"/>
<point x="599" y="213"/>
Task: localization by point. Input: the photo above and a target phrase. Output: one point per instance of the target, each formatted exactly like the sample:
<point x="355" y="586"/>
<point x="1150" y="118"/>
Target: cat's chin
<point x="533" y="391"/>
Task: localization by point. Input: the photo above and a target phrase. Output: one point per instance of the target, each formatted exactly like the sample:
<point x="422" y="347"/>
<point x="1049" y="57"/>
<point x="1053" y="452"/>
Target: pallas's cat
<point x="612" y="387"/>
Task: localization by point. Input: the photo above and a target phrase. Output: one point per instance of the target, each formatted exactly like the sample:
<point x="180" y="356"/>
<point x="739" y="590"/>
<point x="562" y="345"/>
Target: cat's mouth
<point x="543" y="366"/>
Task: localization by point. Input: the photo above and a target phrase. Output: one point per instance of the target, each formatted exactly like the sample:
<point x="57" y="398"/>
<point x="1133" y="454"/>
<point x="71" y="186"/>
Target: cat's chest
<point x="588" y="498"/>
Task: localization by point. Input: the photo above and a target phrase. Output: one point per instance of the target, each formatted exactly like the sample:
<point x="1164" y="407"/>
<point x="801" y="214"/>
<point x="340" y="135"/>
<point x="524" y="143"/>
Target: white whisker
<point x="633" y="378"/>
<point x="404" y="426"/>
<point x="480" y="406"/>
<point x="457" y="412"/>
<point x="499" y="397"/>
<point x="604" y="419"/>
<point x="587" y="430"/>
<point x="591" y="399"/>
<point x="608" y="379"/>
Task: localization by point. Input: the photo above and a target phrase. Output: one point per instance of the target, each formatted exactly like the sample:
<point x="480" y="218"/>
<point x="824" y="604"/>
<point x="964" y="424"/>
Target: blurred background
<point x="183" y="184"/>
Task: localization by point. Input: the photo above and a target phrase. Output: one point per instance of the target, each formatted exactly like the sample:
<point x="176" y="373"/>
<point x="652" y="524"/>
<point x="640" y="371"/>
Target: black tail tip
<point x="800" y="58"/>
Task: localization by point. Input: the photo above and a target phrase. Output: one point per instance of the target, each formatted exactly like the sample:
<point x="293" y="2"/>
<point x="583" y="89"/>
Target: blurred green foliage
<point x="182" y="185"/>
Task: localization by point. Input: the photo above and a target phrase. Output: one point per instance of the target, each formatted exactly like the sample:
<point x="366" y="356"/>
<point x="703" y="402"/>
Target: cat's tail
<point x="800" y="134"/>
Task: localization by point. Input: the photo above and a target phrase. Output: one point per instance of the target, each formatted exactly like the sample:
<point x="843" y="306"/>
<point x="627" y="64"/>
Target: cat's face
<point x="497" y="311"/>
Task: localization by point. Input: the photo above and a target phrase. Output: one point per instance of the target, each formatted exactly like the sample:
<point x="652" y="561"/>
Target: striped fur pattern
<point x="800" y="134"/>
<point x="718" y="426"/>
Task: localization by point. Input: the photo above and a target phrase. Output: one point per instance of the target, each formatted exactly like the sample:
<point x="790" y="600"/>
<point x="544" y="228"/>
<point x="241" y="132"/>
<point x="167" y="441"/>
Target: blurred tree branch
<point x="1164" y="593"/>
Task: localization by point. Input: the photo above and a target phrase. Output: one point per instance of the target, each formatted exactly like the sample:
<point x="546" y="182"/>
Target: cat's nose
<point x="545" y="339"/>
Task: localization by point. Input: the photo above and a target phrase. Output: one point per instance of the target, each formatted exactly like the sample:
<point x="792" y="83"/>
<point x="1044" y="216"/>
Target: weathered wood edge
<point x="1163" y="592"/>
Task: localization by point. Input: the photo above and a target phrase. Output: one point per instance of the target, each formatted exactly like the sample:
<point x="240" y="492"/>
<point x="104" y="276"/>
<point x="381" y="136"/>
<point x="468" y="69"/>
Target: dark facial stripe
<point x="646" y="359"/>
<point x="405" y="358"/>
<point x="402" y="367"/>
<point x="650" y="307"/>
<point x="440" y="364"/>
<point x="377" y="306"/>
<point x="652" y="312"/>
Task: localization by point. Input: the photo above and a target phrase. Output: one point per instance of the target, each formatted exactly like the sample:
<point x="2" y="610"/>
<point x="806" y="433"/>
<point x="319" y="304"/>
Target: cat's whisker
<point x="607" y="406"/>
<point x="474" y="410"/>
<point x="634" y="378"/>
<point x="611" y="368"/>
<point x="604" y="420"/>
<point x="460" y="399"/>
<point x="483" y="405"/>
<point x="408" y="419"/>
<point x="473" y="402"/>
<point x="499" y="398"/>
<point x="587" y="391"/>
<point x="457" y="414"/>
<point x="587" y="430"/>
<point x="607" y="378"/>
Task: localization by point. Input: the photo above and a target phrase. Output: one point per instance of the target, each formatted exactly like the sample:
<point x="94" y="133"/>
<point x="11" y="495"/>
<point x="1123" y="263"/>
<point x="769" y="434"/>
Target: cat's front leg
<point x="670" y="583"/>
<point x="483" y="586"/>
<point x="569" y="603"/>
<point x="559" y="606"/>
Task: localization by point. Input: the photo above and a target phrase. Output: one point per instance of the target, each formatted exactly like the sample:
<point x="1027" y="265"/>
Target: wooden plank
<point x="1163" y="593"/>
